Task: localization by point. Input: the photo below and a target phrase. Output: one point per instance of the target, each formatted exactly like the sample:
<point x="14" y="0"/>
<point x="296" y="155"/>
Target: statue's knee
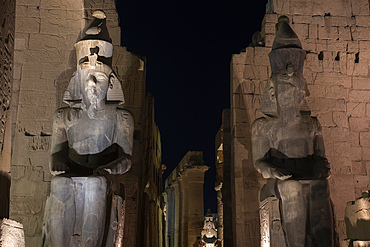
<point x="96" y="183"/>
<point x="289" y="190"/>
<point x="320" y="189"/>
<point x="61" y="187"/>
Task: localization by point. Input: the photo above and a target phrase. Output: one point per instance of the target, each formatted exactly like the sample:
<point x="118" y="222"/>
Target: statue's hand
<point x="57" y="168"/>
<point x="279" y="174"/>
<point x="114" y="168"/>
<point x="101" y="170"/>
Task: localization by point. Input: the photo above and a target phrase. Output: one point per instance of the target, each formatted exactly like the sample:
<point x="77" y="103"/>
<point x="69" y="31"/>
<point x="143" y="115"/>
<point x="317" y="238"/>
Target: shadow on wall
<point x="4" y="194"/>
<point x="246" y="105"/>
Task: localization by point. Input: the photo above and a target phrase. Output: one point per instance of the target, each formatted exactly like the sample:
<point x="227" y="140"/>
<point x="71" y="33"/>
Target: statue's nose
<point x="92" y="78"/>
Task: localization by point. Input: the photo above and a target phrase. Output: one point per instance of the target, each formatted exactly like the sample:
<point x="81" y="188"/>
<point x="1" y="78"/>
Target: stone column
<point x="184" y="202"/>
<point x="195" y="177"/>
<point x="219" y="183"/>
<point x="227" y="182"/>
<point x="177" y="214"/>
<point x="186" y="216"/>
<point x="165" y="199"/>
<point x="220" y="212"/>
<point x="172" y="219"/>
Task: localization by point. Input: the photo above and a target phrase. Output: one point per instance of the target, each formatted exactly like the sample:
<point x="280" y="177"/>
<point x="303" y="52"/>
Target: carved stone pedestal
<point x="272" y="234"/>
<point x="357" y="218"/>
<point x="11" y="233"/>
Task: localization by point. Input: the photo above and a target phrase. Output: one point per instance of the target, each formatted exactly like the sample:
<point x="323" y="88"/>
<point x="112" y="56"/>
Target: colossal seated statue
<point x="288" y="150"/>
<point x="91" y="138"/>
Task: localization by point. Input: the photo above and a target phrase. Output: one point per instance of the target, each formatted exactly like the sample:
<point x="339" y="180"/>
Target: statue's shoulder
<point x="125" y="130"/>
<point x="125" y="118"/>
<point x="125" y="115"/>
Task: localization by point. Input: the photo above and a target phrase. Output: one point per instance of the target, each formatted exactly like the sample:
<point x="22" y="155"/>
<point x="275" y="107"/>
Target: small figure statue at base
<point x="209" y="232"/>
<point x="288" y="150"/>
<point x="91" y="138"/>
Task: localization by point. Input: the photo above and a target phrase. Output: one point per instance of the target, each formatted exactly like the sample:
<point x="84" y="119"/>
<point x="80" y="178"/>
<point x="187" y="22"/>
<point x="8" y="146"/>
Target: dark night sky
<point x="188" y="46"/>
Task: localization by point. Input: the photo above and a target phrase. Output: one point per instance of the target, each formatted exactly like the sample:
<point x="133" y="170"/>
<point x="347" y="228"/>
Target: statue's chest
<point x="295" y="141"/>
<point x="90" y="136"/>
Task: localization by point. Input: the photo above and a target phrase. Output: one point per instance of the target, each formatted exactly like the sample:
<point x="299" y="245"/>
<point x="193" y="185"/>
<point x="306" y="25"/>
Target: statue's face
<point x="95" y="81"/>
<point x="288" y="91"/>
<point x="95" y="85"/>
<point x="287" y="95"/>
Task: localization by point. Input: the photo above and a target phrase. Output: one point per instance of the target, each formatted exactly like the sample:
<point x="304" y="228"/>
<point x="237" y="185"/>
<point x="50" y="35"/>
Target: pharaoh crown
<point x="286" y="49"/>
<point x="95" y="40"/>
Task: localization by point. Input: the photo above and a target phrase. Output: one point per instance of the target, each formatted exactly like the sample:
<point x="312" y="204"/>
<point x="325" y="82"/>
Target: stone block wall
<point x="336" y="36"/>
<point x="45" y="32"/>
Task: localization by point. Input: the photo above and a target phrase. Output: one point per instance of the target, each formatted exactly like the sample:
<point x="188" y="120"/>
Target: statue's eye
<point x="101" y="78"/>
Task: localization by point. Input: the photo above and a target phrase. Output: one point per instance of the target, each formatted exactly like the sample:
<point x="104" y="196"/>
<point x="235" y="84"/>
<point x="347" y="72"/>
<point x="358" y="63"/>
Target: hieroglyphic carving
<point x="264" y="221"/>
<point x="39" y="143"/>
<point x="6" y="62"/>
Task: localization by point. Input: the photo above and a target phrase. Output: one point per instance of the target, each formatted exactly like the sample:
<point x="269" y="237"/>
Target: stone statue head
<point x="94" y="79"/>
<point x="285" y="89"/>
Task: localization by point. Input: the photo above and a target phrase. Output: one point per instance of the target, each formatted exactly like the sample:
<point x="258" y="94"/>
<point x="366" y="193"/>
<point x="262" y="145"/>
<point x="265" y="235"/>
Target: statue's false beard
<point x="94" y="96"/>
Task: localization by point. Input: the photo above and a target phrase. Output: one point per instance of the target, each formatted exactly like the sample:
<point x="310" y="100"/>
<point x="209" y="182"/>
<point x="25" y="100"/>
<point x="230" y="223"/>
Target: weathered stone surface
<point x="357" y="215"/>
<point x="7" y="43"/>
<point x="11" y="233"/>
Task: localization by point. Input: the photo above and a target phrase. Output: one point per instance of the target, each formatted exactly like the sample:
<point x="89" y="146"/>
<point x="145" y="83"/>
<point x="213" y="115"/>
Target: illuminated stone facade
<point x="335" y="35"/>
<point x="45" y="34"/>
<point x="184" y="201"/>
